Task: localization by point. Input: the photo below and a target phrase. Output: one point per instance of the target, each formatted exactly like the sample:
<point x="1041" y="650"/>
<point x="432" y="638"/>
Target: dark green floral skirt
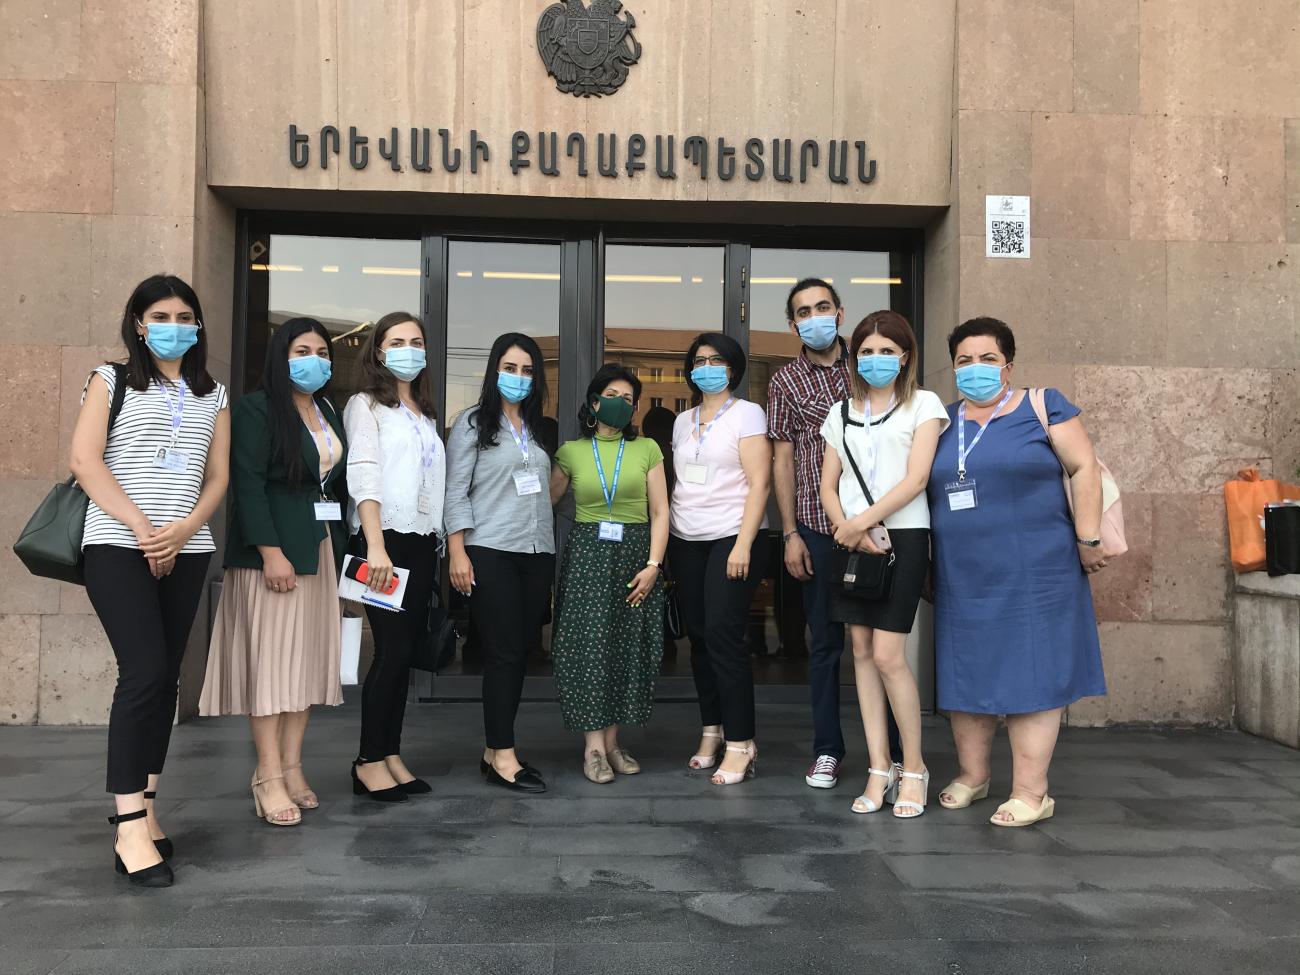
<point x="606" y="652"/>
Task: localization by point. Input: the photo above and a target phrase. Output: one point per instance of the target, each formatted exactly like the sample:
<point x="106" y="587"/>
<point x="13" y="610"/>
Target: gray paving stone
<point x="1152" y="840"/>
<point x="31" y="961"/>
<point x="990" y="871"/>
<point x="136" y="917"/>
<point x="645" y="873"/>
<point x="486" y="959"/>
<point x="818" y="874"/>
<point x="357" y="919"/>
<point x="780" y="916"/>
<point x="600" y="917"/>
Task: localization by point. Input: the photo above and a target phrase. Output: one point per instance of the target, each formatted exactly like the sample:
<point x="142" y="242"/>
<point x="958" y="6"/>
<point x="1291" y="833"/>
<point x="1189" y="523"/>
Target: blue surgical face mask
<point x="404" y="362"/>
<point x="979" y="382"/>
<point x="170" y="340"/>
<point x="710" y="379"/>
<point x="513" y="387"/>
<point x="879" y="371"/>
<point x="818" y="332"/>
<point x="309" y="373"/>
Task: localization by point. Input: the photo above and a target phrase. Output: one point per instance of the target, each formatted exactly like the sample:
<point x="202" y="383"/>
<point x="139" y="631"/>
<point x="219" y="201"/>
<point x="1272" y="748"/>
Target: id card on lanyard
<point x="170" y="458"/>
<point x="326" y="510"/>
<point x="610" y="531"/>
<point x="527" y="480"/>
<point x="962" y="493"/>
<point x="693" y="472"/>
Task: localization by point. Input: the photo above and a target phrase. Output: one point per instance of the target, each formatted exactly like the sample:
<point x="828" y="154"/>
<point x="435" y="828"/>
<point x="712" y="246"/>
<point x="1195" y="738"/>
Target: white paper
<point x="357" y="592"/>
<point x="1006" y="226"/>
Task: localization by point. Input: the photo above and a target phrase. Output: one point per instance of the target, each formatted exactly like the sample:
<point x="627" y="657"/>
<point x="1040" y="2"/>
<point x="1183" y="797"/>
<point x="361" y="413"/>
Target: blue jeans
<point x="824" y="651"/>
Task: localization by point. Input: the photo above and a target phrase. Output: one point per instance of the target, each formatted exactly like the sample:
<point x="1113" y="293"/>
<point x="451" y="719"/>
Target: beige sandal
<point x="597" y="769"/>
<point x="707" y="761"/>
<point x="621" y="760"/>
<point x="270" y="814"/>
<point x="307" y="799"/>
<point x="962" y="795"/>
<point x="1023" y="814"/>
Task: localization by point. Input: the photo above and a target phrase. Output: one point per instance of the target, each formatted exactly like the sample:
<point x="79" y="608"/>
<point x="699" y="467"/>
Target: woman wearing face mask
<point x="501" y="539"/>
<point x="609" y="635"/>
<point x="723" y="461"/>
<point x="1015" y="631"/>
<point x="396" y="474"/>
<point x="880" y="445"/>
<point x="153" y="481"/>
<point x="275" y="646"/>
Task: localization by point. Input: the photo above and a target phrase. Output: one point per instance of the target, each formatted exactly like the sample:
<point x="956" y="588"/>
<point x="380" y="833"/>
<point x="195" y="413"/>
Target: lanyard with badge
<point x="423" y="432"/>
<point x="326" y="510"/>
<point x="869" y="430"/>
<point x="527" y="480"/>
<point x="697" y="473"/>
<point x="961" y="492"/>
<point x="610" y="531"/>
<point x="171" y="458"/>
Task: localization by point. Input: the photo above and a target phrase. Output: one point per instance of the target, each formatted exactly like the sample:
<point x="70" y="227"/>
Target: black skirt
<point x="895" y="614"/>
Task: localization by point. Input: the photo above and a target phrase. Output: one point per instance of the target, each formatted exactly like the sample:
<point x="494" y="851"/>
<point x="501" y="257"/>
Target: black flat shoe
<point x="165" y="848"/>
<point x="416" y="787"/>
<point x="526" y="780"/>
<point x="392" y="794"/>
<point x="156" y="875"/>
<point x="485" y="767"/>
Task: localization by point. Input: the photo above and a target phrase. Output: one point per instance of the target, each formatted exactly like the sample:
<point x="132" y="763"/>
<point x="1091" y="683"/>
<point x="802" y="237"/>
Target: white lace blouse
<point x="395" y="457"/>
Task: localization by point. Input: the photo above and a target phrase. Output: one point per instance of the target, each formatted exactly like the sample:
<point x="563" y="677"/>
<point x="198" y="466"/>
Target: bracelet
<point x="786" y="536"/>
<point x="1090" y="542"/>
<point x="651" y="563"/>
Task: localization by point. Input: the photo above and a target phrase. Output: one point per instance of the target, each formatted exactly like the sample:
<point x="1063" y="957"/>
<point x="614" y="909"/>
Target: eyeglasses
<point x="713" y="360"/>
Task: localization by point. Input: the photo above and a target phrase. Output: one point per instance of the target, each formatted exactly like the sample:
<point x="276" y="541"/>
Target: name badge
<point x="611" y="531"/>
<point x="424" y="504"/>
<point x="171" y="459"/>
<point x="329" y="511"/>
<point x="527" y="482"/>
<point x="695" y="473"/>
<point x="961" y="495"/>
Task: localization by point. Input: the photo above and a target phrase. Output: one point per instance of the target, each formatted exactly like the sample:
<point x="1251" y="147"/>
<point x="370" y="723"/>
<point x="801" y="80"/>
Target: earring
<point x="591" y="423"/>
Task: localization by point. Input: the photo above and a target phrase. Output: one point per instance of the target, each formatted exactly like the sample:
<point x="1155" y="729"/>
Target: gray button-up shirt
<point x="482" y="500"/>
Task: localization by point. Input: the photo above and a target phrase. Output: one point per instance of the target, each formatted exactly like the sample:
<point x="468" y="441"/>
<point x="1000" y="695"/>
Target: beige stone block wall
<point x="99" y="103"/>
<point x="1163" y="288"/>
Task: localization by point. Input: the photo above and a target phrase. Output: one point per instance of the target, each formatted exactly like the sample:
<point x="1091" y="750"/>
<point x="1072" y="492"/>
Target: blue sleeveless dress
<point x="1015" y="630"/>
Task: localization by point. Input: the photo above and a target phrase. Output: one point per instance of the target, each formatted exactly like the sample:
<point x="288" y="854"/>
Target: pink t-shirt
<point x="712" y="509"/>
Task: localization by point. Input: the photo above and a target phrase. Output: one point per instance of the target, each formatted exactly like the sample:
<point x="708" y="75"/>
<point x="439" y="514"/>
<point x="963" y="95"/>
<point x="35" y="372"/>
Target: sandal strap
<point x="269" y="778"/>
<point x="151" y="795"/>
<point x="290" y="768"/>
<point x="710" y="734"/>
<point x="127" y="817"/>
<point x="908" y="804"/>
<point x="920" y="776"/>
<point x="880" y="772"/>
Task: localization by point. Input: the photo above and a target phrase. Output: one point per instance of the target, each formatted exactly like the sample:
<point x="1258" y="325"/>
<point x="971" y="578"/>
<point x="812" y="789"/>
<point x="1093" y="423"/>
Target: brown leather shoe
<point x="597" y="769"/>
<point x="621" y="760"/>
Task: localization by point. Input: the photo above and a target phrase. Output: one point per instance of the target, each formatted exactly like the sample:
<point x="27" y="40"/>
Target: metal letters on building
<point x="587" y="50"/>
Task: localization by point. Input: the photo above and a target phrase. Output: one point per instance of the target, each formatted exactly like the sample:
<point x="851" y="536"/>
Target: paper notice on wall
<point x="1006" y="226"/>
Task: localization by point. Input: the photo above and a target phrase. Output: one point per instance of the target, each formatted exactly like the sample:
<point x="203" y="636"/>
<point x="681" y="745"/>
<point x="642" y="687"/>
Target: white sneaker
<point x="824" y="773"/>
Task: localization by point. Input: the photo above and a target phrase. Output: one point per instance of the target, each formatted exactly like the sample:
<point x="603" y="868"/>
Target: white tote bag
<point x="351" y="649"/>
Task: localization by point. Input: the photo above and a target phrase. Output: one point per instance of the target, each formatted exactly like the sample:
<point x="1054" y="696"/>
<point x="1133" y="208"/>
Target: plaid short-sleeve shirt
<point x="799" y="396"/>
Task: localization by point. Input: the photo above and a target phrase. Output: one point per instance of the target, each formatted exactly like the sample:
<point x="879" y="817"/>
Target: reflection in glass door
<point x="495" y="287"/>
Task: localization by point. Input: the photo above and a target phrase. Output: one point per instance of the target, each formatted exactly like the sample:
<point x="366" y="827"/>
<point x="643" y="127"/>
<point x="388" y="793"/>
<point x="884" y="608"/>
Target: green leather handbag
<point x="50" y="544"/>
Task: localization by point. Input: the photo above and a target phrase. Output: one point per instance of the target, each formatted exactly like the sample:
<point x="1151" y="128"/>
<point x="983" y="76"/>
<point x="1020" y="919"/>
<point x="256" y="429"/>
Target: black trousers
<point x="715" y="612"/>
<point x="383" y="695"/>
<point x="147" y="622"/>
<point x="509" y="601"/>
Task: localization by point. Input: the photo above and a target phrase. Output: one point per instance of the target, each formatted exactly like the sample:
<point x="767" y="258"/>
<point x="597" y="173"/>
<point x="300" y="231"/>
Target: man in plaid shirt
<point x="799" y="396"/>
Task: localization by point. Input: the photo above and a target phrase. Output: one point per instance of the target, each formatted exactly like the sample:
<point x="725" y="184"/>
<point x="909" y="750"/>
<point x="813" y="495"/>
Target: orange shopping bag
<point x="1244" y="500"/>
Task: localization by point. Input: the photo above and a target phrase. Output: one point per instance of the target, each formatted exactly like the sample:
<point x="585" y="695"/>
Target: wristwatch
<point x="1090" y="542"/>
<point x="657" y="565"/>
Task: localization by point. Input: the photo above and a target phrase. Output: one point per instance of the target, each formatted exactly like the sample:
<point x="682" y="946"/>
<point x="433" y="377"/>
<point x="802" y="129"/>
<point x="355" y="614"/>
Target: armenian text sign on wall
<point x="607" y="156"/>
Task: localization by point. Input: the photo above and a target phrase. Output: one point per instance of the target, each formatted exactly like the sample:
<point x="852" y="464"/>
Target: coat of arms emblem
<point x="587" y="50"/>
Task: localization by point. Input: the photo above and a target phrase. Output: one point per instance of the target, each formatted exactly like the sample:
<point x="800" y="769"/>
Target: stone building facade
<point x="1159" y="141"/>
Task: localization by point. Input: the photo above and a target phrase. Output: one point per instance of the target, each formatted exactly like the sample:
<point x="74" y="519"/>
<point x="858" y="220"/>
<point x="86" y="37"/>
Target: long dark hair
<point x="141" y="369"/>
<point x="486" y="417"/>
<point x="286" y="423"/>
<point x="605" y="375"/>
<point x="382" y="384"/>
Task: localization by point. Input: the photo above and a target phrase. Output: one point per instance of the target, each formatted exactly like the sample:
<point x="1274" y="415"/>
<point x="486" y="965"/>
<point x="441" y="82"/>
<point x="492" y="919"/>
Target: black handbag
<point x="864" y="576"/>
<point x="438" y="648"/>
<point x="673" y="612"/>
<point x="1282" y="538"/>
<point x="50" y="543"/>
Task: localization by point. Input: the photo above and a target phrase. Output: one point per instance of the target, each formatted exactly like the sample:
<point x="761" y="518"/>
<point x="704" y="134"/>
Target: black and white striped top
<point x="143" y="428"/>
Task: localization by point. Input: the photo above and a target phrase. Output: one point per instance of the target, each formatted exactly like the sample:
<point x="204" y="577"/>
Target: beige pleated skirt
<point x="273" y="652"/>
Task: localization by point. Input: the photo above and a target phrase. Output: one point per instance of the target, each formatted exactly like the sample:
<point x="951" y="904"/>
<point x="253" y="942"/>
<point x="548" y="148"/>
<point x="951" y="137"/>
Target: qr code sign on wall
<point x="1006" y="226"/>
<point x="1008" y="237"/>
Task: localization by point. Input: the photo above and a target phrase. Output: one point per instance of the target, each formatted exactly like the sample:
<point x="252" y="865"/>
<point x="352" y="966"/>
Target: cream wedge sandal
<point x="1023" y="814"/>
<point x="916" y="808"/>
<point x="698" y="762"/>
<point x="962" y="795"/>
<point x="862" y="805"/>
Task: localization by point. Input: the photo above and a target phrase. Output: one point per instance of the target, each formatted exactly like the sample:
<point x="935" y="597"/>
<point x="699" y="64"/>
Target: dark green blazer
<point x="266" y="510"/>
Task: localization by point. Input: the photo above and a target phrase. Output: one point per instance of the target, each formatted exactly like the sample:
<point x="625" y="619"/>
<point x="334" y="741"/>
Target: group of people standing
<point x="861" y="459"/>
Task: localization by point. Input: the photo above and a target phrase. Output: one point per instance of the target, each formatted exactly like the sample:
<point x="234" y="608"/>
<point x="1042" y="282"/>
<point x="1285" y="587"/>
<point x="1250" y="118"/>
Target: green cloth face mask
<point x="614" y="411"/>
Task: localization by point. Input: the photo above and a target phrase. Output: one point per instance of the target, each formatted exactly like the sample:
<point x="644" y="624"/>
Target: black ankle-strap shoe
<point x="165" y="846"/>
<point x="393" y="793"/>
<point x="155" y="875"/>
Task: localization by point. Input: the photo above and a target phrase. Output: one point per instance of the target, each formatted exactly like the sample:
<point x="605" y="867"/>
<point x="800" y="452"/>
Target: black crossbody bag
<point x="864" y="576"/>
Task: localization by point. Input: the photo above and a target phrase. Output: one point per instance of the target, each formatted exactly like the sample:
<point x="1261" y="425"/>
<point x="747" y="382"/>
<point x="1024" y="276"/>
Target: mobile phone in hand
<point x="359" y="569"/>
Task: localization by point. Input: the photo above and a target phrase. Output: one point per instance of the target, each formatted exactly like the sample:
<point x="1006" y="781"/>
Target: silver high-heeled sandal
<point x="917" y="807"/>
<point x="723" y="777"/>
<point x="862" y="805"/>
